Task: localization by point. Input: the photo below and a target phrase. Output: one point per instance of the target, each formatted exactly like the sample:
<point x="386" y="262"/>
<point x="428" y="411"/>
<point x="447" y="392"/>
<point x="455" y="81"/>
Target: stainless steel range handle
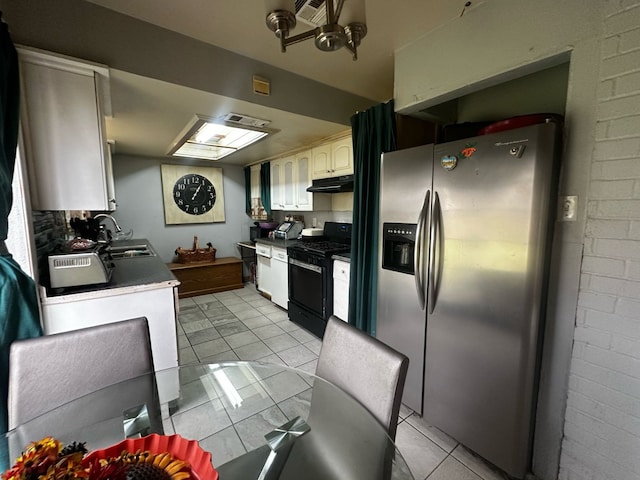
<point x="418" y="256"/>
<point x="306" y="266"/>
<point x="435" y="253"/>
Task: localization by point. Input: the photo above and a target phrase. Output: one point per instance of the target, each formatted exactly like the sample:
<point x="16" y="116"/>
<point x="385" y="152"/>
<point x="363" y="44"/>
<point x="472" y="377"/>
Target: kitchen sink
<point x="131" y="251"/>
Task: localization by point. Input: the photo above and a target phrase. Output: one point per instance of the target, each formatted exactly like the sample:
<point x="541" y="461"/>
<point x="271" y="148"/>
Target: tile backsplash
<point x="50" y="230"/>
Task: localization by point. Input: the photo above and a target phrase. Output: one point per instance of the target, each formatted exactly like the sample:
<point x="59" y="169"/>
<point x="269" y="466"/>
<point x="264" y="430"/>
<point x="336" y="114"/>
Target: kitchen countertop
<point x="344" y="257"/>
<point x="129" y="274"/>
<point x="276" y="242"/>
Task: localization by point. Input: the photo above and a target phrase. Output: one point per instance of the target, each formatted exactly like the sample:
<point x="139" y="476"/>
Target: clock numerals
<point x="194" y="194"/>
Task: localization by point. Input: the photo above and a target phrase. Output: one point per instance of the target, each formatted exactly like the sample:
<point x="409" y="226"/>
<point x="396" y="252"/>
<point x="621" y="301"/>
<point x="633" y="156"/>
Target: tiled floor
<point x="242" y="325"/>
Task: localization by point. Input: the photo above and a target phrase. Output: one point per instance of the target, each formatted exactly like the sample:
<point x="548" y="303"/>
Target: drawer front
<point x="279" y="253"/>
<point x="263" y="250"/>
<point x="341" y="270"/>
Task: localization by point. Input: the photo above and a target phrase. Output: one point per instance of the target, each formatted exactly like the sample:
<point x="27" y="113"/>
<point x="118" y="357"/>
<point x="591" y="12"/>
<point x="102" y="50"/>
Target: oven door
<point x="307" y="286"/>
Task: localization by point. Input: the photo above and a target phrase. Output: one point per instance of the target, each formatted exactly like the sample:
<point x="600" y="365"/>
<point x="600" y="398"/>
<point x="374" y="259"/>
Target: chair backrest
<point x="48" y="371"/>
<point x="366" y="368"/>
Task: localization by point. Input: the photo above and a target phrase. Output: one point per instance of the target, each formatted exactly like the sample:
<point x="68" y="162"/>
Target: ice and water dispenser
<point x="398" y="247"/>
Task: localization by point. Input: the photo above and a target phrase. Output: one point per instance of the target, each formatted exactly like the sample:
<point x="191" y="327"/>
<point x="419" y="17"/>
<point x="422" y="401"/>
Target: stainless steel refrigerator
<point x="465" y="234"/>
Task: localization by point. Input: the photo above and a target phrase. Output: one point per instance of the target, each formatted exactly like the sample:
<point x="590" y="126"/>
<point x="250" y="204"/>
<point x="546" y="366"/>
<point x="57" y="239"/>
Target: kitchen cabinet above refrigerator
<point x="63" y="104"/>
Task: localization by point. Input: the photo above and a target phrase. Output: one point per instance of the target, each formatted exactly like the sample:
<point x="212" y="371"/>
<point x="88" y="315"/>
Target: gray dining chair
<point x="48" y="371"/>
<point x="369" y="370"/>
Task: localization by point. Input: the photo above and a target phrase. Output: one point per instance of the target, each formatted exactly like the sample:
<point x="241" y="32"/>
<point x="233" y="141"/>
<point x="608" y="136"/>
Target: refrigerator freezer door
<point x="482" y="337"/>
<point x="405" y="182"/>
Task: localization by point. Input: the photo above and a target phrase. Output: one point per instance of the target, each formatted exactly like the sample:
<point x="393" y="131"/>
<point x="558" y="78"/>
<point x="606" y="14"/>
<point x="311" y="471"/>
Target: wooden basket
<point x="196" y="254"/>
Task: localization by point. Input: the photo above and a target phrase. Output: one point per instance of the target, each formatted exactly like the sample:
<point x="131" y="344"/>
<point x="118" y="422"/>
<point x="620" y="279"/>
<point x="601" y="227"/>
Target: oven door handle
<point x="306" y="266"/>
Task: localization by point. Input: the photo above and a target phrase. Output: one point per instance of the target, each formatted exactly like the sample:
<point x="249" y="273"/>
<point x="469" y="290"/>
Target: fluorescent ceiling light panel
<point x="211" y="140"/>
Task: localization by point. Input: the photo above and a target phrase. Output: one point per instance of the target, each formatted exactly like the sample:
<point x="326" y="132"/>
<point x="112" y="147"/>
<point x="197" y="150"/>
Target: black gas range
<point x="311" y="276"/>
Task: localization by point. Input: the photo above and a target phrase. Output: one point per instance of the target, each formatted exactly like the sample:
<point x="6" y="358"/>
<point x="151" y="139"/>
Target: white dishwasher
<point x="264" y="274"/>
<point x="341" y="271"/>
<point x="280" y="272"/>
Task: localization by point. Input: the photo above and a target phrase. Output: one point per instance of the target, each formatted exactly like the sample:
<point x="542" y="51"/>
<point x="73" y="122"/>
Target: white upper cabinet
<point x="293" y="174"/>
<point x="342" y="157"/>
<point x="290" y="178"/>
<point x="304" y="199"/>
<point x="288" y="165"/>
<point x="332" y="159"/>
<point x="277" y="184"/>
<point x="321" y="161"/>
<point x="254" y="170"/>
<point x="63" y="104"/>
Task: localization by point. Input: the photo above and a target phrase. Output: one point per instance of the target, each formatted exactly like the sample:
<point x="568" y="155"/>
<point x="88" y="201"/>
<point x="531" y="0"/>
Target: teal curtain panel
<point x="373" y="133"/>
<point x="19" y="315"/>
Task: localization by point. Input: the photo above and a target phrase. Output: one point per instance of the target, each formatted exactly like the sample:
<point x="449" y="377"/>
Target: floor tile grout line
<point x="233" y="294"/>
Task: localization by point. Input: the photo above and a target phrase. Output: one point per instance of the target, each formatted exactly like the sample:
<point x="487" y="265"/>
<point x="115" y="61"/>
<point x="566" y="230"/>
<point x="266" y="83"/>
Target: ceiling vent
<point x="245" y="120"/>
<point x="312" y="12"/>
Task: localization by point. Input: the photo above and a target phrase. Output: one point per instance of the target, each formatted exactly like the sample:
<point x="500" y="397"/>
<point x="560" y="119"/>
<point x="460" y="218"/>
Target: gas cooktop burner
<point x="322" y="247"/>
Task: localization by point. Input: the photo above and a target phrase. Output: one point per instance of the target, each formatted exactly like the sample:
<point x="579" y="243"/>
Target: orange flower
<point x="467" y="152"/>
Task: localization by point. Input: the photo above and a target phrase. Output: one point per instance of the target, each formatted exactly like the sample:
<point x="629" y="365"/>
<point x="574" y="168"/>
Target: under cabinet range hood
<point x="343" y="183"/>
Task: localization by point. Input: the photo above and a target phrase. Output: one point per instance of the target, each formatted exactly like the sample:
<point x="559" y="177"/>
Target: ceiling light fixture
<point x="212" y="139"/>
<point x="330" y="36"/>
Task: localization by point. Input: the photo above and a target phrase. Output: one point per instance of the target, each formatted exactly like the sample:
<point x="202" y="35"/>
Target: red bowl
<point x="178" y="447"/>
<point x="520" y="121"/>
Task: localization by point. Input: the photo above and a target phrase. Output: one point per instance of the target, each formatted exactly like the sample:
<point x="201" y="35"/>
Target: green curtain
<point x="247" y="190"/>
<point x="373" y="133"/>
<point x="265" y="186"/>
<point x="19" y="316"/>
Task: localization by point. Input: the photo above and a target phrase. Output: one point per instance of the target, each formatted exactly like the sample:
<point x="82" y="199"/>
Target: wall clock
<point x="192" y="194"/>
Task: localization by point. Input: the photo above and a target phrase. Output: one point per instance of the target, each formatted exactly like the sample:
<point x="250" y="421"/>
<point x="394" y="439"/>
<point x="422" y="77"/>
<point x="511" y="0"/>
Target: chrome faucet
<point x="105" y="215"/>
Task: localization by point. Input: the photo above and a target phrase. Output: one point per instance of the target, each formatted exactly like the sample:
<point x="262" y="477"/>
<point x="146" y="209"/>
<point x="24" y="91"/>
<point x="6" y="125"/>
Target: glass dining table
<point x="257" y="420"/>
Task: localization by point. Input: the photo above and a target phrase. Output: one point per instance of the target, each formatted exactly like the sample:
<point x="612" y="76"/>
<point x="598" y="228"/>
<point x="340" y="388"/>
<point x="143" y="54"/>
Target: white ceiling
<point x="148" y="114"/>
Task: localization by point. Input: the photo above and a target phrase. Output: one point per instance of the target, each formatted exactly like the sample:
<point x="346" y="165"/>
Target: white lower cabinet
<point x="280" y="268"/>
<point x="273" y="273"/>
<point x="264" y="274"/>
<point x="157" y="303"/>
<point x="341" y="272"/>
<point x="71" y="312"/>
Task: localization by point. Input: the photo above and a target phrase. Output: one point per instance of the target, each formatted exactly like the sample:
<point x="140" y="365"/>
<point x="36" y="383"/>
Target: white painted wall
<point x="602" y="428"/>
<point x="489" y="44"/>
<point x="591" y="360"/>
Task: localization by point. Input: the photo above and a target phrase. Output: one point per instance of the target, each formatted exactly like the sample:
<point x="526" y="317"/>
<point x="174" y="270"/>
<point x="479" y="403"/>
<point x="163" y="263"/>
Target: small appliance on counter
<point x="288" y="230"/>
<point x="261" y="230"/>
<point x="312" y="233"/>
<point x="75" y="266"/>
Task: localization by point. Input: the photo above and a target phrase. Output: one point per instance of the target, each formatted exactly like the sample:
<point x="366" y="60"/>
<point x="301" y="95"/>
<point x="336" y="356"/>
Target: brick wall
<point x="602" y="423"/>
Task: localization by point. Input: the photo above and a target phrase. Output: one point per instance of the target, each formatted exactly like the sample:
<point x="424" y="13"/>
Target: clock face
<point x="194" y="194"/>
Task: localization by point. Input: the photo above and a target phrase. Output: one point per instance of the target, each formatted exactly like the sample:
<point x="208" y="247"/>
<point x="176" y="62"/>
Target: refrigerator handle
<point x="418" y="256"/>
<point x="435" y="252"/>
